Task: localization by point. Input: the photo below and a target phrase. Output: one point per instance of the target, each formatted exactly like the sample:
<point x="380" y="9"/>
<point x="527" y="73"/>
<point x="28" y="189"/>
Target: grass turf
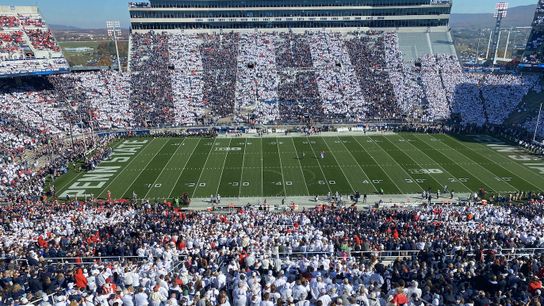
<point x="403" y="163"/>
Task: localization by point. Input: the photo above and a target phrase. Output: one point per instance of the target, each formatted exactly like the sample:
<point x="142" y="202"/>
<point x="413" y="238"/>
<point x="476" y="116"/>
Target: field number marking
<point x="153" y="185"/>
<point x="458" y="179"/>
<point x="322" y="182"/>
<point x="192" y="185"/>
<point x="412" y="181"/>
<point x="372" y="181"/>
<point x="425" y="171"/>
<point x="237" y="184"/>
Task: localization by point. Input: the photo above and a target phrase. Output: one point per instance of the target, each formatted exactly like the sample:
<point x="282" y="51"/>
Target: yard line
<point x="202" y="171"/>
<point x="300" y="167"/>
<point x="415" y="162"/>
<point x="475" y="174"/>
<point x="262" y="169"/>
<point x="182" y="168"/>
<point x="281" y="168"/>
<point x="223" y="168"/>
<point x="437" y="164"/>
<point x="322" y="172"/>
<point x="375" y="161"/>
<point x="341" y="168"/>
<point x="390" y="157"/>
<point x="125" y="168"/>
<point x="150" y="160"/>
<point x="165" y="166"/>
<point x="242" y="172"/>
<point x="498" y="164"/>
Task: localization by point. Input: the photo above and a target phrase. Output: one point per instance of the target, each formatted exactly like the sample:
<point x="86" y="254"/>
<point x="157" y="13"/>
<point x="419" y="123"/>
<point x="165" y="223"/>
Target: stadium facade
<point x="201" y="15"/>
<point x="423" y="25"/>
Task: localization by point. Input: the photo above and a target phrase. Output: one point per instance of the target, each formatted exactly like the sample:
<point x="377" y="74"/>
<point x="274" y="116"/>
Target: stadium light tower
<point x="114" y="31"/>
<point x="500" y="12"/>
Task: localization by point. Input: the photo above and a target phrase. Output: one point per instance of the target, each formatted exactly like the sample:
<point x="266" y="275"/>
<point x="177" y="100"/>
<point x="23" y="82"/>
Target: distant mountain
<point x="60" y="27"/>
<point x="519" y="16"/>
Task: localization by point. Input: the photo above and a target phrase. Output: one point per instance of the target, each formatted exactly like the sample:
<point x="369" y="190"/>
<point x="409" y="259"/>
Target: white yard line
<point x="322" y="172"/>
<point x="281" y="168"/>
<point x="203" y="167"/>
<point x="165" y="166"/>
<point x="300" y="167"/>
<point x="391" y="157"/>
<point x="223" y="168"/>
<point x="242" y="172"/>
<point x="436" y="163"/>
<point x="183" y="168"/>
<point x="493" y="174"/>
<point x="149" y="162"/>
<point x="377" y="163"/>
<point x="262" y="169"/>
<point x="342" y="169"/>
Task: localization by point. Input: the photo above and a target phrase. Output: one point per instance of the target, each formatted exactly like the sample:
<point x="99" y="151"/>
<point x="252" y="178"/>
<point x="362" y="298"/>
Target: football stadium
<point x="271" y="152"/>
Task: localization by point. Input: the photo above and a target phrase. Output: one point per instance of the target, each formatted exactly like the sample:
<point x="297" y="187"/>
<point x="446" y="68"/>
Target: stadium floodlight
<point x="501" y="9"/>
<point x="114" y="31"/>
<point x="500" y="12"/>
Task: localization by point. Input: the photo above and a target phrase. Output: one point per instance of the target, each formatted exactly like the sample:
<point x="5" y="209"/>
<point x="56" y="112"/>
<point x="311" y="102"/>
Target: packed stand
<point x="187" y="79"/>
<point x="27" y="45"/>
<point x="503" y="93"/>
<point x="257" y="79"/>
<point x="367" y="53"/>
<point x="338" y="85"/>
<point x="439" y="255"/>
<point x="108" y="97"/>
<point x="299" y="98"/>
<point x="404" y="79"/>
<point x="533" y="53"/>
<point x="151" y="94"/>
<point x="219" y="55"/>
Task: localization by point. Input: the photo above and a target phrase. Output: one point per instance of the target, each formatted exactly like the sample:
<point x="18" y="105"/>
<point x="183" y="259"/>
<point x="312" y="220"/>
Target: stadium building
<point x="423" y="25"/>
<point x="27" y="46"/>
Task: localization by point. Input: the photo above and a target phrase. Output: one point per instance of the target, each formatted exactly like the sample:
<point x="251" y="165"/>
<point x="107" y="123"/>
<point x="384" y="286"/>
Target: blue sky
<point x="94" y="13"/>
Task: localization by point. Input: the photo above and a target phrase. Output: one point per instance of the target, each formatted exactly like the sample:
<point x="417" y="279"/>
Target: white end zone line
<point x="125" y="168"/>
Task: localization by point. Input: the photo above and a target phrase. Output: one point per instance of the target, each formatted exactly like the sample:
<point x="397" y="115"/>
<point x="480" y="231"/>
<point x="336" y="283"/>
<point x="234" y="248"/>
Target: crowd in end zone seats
<point x="438" y="255"/>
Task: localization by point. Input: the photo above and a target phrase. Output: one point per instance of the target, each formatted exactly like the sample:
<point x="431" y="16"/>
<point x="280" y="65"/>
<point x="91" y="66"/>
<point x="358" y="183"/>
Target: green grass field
<point x="291" y="166"/>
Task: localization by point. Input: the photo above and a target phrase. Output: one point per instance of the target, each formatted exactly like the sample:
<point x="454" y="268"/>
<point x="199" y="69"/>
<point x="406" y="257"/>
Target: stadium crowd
<point x="438" y="255"/>
<point x="27" y="45"/>
<point x="194" y="79"/>
<point x="325" y="76"/>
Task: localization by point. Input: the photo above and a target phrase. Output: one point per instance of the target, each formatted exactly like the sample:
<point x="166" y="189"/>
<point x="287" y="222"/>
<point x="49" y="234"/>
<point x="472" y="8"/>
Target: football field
<point x="406" y="163"/>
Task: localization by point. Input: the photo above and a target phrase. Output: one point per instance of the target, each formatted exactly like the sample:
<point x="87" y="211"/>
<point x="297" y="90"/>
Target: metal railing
<point x="385" y="256"/>
<point x="506" y="252"/>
